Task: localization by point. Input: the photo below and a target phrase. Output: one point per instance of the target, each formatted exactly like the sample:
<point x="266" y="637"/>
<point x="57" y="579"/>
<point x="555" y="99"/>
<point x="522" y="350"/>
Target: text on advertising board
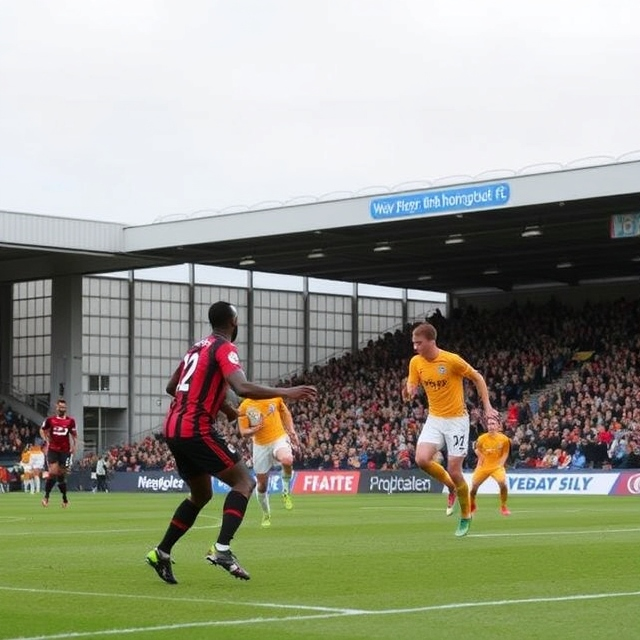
<point x="486" y="196"/>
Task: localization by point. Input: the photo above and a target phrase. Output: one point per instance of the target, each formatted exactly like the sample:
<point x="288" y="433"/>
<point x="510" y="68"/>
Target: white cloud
<point x="129" y="111"/>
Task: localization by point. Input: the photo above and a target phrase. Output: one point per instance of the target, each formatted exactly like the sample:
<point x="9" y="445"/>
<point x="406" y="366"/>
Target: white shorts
<point x="264" y="455"/>
<point x="450" y="432"/>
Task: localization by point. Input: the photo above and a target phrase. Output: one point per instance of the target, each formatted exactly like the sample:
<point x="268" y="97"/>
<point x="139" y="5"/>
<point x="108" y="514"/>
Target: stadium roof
<point x="524" y="231"/>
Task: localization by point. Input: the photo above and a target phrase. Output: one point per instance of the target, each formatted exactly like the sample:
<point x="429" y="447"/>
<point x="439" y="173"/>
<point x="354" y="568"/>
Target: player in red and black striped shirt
<point x="199" y="388"/>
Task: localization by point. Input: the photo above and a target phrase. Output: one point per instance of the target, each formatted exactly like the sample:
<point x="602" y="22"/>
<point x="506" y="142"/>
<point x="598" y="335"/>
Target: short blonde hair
<point x="427" y="330"/>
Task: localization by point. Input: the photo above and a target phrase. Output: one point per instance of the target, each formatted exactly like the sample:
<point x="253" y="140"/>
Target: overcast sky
<point x="134" y="110"/>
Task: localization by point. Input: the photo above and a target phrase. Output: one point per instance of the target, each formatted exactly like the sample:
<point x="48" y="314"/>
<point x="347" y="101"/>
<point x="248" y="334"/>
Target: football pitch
<point x="364" y="566"/>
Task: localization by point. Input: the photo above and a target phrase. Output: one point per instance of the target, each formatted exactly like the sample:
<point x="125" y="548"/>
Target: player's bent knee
<point x="423" y="461"/>
<point x="245" y="486"/>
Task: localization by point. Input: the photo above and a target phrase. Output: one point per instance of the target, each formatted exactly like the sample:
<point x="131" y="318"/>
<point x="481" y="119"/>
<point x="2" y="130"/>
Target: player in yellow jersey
<point x="493" y="449"/>
<point x="27" y="473"/>
<point x="441" y="374"/>
<point x="270" y="425"/>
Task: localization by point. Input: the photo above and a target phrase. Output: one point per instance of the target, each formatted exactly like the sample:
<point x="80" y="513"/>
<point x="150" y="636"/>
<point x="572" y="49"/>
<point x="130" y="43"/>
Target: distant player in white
<point x="37" y="462"/>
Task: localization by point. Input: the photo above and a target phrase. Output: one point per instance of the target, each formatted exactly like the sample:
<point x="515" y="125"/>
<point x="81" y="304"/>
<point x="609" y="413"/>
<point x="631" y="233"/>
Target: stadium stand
<point x="565" y="379"/>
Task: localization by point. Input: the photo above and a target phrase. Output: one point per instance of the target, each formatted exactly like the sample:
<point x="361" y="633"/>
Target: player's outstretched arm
<point x="239" y="383"/>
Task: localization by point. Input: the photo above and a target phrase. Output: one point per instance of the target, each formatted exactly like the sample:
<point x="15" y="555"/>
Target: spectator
<point x="618" y="453"/>
<point x="4" y="479"/>
<point x="102" y="470"/>
<point x="564" y="459"/>
<point x="633" y="456"/>
<point x="578" y="460"/>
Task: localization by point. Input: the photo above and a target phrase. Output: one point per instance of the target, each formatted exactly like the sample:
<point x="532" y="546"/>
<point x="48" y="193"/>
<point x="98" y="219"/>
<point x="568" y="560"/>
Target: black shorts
<point x="204" y="454"/>
<point x="61" y="457"/>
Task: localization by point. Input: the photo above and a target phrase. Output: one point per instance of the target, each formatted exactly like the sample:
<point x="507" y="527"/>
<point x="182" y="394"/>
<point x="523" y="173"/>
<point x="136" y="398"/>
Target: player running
<point x="273" y="437"/>
<point x="493" y="449"/>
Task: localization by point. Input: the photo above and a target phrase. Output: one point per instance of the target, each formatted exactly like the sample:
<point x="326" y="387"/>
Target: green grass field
<point x="367" y="566"/>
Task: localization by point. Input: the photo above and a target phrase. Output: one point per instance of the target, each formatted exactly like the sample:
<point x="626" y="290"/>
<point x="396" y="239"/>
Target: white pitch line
<point x="324" y="616"/>
<point x="141" y="596"/>
<point x="93" y="531"/>
<point x="12" y="519"/>
<point x="551" y="533"/>
<point x="514" y="534"/>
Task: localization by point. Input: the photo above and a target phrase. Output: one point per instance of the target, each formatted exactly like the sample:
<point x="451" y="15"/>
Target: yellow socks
<point x="438" y="472"/>
<point x="464" y="499"/>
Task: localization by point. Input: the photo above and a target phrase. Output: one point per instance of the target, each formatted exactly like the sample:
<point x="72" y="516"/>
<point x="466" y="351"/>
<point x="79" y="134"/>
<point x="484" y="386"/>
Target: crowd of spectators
<point x="16" y="432"/>
<point x="565" y="379"/>
<point x="150" y="454"/>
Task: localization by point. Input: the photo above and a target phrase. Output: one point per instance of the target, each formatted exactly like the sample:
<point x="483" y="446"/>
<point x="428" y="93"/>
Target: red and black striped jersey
<point x="201" y="387"/>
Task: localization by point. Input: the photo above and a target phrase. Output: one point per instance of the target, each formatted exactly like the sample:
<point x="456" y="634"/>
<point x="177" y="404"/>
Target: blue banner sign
<point x="486" y="196"/>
